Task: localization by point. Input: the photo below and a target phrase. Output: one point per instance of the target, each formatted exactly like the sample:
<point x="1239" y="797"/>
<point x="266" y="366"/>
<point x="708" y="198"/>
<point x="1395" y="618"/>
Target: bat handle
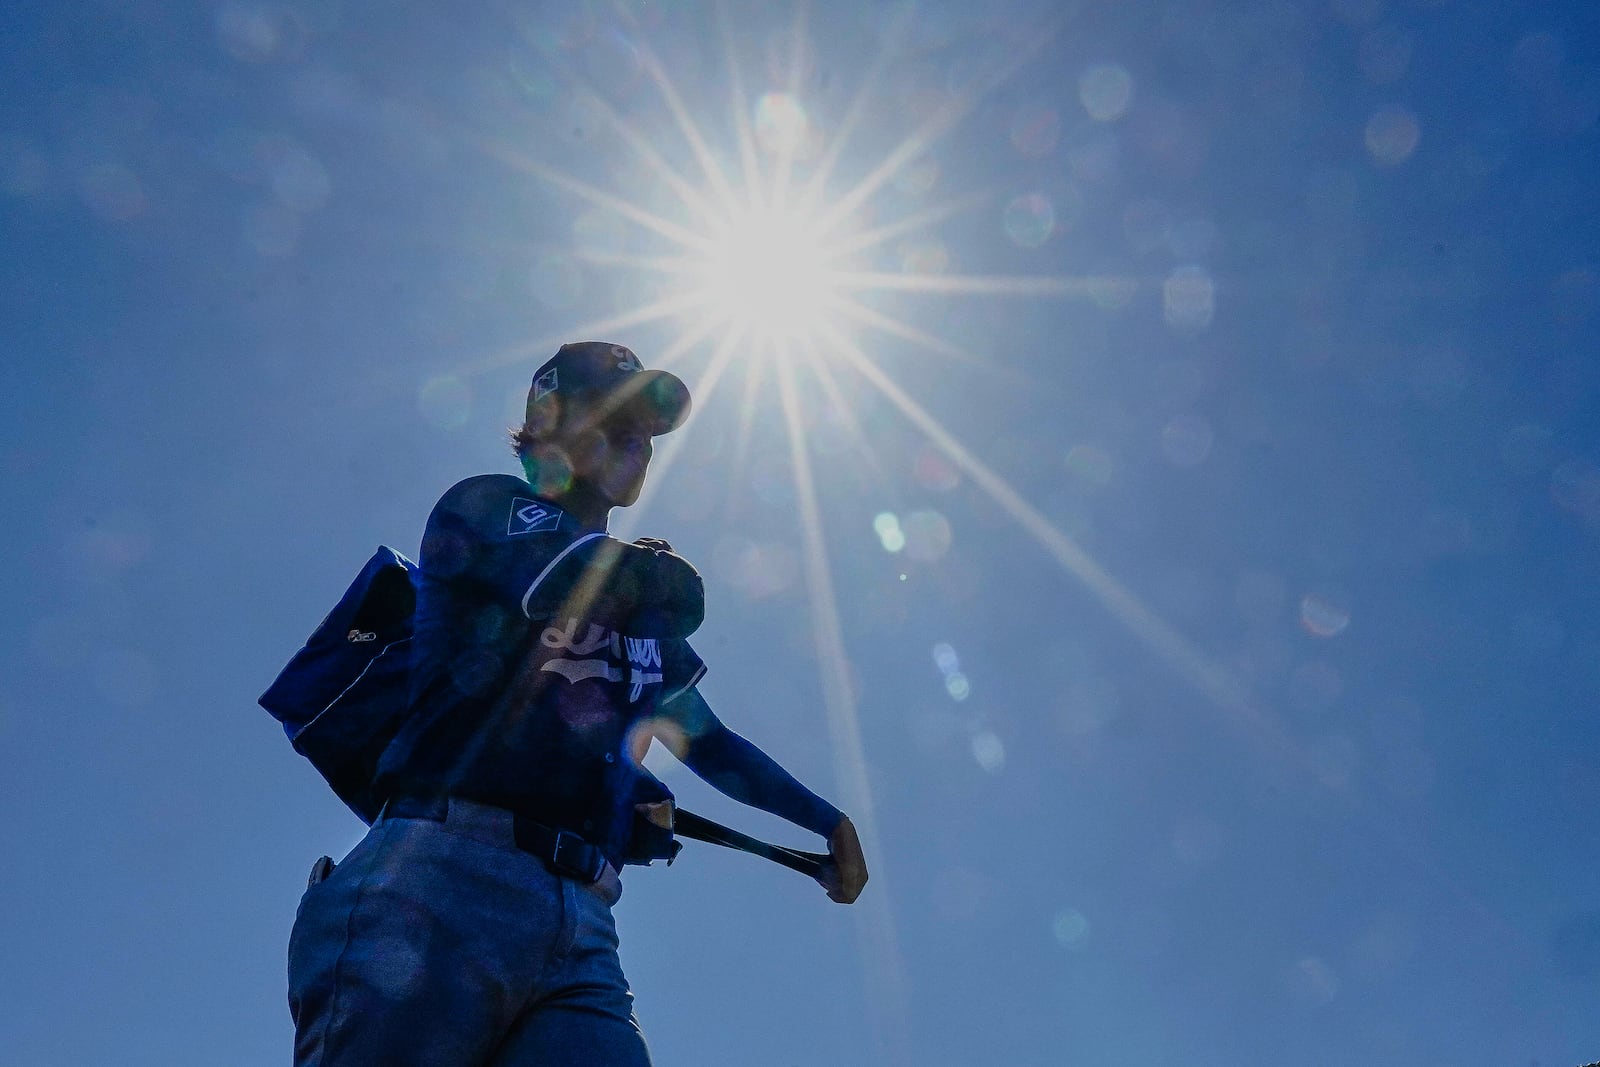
<point x="807" y="863"/>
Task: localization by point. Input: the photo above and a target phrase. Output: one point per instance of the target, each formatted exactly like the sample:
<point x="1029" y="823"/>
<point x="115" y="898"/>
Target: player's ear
<point x="587" y="449"/>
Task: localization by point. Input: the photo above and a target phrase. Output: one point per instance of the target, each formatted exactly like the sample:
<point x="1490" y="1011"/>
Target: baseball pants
<point x="442" y="944"/>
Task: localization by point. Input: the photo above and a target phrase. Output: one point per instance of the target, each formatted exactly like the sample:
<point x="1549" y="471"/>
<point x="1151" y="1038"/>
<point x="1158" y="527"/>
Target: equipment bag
<point x="342" y="698"/>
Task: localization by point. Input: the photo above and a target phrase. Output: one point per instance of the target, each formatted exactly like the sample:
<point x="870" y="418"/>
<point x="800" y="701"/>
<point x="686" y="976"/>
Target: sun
<point x="767" y="274"/>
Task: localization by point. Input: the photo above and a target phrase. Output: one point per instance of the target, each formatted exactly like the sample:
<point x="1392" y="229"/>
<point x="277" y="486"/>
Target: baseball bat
<point x="688" y="824"/>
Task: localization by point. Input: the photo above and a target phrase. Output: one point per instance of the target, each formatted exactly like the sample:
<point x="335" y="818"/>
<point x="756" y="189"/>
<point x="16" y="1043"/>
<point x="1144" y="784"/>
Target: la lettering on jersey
<point x="604" y="655"/>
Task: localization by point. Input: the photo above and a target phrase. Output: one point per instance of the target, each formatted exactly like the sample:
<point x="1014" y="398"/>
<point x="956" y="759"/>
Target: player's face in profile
<point x="624" y="461"/>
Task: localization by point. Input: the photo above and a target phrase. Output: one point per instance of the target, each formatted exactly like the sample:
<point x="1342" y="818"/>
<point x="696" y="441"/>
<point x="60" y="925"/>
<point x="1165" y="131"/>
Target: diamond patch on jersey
<point x="530" y="516"/>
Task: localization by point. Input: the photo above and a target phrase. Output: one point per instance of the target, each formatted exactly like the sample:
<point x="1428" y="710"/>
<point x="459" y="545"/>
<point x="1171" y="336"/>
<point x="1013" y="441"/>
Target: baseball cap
<point x="606" y="379"/>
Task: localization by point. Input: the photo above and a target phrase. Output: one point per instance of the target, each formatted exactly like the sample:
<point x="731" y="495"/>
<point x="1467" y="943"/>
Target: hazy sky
<point x="1167" y="521"/>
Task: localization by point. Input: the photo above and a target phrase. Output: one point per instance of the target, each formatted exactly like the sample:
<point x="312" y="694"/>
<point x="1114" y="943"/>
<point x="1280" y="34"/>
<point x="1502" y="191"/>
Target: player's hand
<point x="846" y="874"/>
<point x="658" y="812"/>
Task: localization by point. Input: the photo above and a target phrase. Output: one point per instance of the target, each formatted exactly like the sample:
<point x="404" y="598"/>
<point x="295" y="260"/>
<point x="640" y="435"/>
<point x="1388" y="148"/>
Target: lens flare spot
<point x="1312" y="981"/>
<point x="248" y="33"/>
<point x="299" y="180"/>
<point x="1105" y="90"/>
<point x="924" y="257"/>
<point x="1189" y="299"/>
<point x="758" y="571"/>
<point x="927" y="535"/>
<point x="989" y="751"/>
<point x="271" y="230"/>
<point x="1323" y="616"/>
<point x="887" y="526"/>
<point x="933" y="471"/>
<point x="1392" y="135"/>
<point x="782" y="126"/>
<point x="956" y="684"/>
<point x="1070" y="928"/>
<point x="944" y="657"/>
<point x="1030" y="220"/>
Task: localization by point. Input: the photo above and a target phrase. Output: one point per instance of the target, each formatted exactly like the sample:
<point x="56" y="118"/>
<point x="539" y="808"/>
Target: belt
<point x="563" y="851"/>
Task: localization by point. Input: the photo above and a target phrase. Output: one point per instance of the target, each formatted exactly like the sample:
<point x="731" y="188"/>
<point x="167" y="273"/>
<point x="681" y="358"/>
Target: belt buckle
<point x="565" y="839"/>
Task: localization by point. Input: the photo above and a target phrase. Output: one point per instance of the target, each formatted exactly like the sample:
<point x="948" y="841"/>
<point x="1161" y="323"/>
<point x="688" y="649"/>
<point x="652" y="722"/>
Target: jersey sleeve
<point x="642" y="591"/>
<point x="681" y="669"/>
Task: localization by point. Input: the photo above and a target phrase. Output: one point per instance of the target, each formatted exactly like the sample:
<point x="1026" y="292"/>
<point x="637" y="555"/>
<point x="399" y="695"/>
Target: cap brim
<point x="656" y="398"/>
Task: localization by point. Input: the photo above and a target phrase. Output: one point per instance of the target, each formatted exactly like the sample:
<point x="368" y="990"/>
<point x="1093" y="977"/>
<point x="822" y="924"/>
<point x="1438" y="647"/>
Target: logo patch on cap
<point x="626" y="360"/>
<point x="530" y="516"/>
<point x="545" y="384"/>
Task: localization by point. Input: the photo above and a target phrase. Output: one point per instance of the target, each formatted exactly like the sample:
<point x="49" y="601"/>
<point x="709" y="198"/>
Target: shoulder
<point x="499" y="507"/>
<point x="484" y="498"/>
<point x="482" y="490"/>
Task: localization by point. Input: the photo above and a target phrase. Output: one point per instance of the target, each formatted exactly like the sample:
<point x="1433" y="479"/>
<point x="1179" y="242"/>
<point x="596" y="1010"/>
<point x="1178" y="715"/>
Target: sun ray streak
<point x="1190" y="663"/>
<point x="969" y="284"/>
<point x="753" y="185"/>
<point x="691" y="197"/>
<point x="895" y="328"/>
<point x="703" y="389"/>
<point x="686" y="125"/>
<point x="659" y="309"/>
<point x="875" y="924"/>
<point x="657" y="264"/>
<point x="911" y="224"/>
<point x="904" y="153"/>
<point x="936" y="126"/>
<point x="814" y="187"/>
<point x="797" y="44"/>
<point x="747" y="419"/>
<point x="860" y="450"/>
<point x="650" y="221"/>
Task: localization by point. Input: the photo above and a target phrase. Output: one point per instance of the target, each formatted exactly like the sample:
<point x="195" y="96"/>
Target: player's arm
<point x="692" y="732"/>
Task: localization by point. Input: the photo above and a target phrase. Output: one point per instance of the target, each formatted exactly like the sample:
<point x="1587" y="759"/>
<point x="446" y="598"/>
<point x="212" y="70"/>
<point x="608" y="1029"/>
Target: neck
<point x="589" y="507"/>
<point x="552" y="478"/>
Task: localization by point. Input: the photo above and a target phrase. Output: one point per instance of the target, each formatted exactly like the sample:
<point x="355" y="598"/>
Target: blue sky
<point x="1184" y="573"/>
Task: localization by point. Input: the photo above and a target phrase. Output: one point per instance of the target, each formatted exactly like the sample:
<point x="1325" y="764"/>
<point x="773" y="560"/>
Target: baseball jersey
<point x="537" y="644"/>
